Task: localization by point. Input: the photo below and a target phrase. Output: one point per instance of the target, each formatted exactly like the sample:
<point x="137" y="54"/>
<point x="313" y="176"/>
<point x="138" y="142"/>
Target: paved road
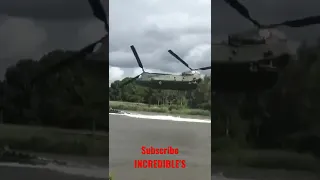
<point x="127" y="135"/>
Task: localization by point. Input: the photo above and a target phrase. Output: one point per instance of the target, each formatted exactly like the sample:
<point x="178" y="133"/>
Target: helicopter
<point x="252" y="60"/>
<point x="186" y="81"/>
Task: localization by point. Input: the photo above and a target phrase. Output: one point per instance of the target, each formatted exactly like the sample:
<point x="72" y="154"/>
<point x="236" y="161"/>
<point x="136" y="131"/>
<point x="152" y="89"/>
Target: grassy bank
<point x="226" y="152"/>
<point x="53" y="140"/>
<point x="267" y="159"/>
<point x="158" y="109"/>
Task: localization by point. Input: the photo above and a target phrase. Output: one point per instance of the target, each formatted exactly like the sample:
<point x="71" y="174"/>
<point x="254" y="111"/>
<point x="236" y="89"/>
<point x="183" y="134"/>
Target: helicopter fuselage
<point x="252" y="60"/>
<point x="169" y="81"/>
<point x="249" y="67"/>
<point x="267" y="56"/>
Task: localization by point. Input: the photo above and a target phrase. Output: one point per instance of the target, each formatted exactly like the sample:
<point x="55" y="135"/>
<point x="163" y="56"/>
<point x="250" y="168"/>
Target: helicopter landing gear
<point x="266" y="67"/>
<point x="269" y="66"/>
<point x="253" y="67"/>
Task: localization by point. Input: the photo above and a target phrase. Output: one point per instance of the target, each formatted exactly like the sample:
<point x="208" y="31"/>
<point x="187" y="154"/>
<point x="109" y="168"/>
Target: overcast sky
<point x="29" y="29"/>
<point x="154" y="27"/>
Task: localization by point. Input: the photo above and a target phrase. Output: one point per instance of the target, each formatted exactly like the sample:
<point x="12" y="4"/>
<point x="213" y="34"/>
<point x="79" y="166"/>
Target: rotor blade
<point x="99" y="12"/>
<point x="204" y="68"/>
<point x="137" y="57"/>
<point x="177" y="57"/>
<point x="129" y="81"/>
<point x="242" y="10"/>
<point x="299" y="22"/>
<point x="82" y="53"/>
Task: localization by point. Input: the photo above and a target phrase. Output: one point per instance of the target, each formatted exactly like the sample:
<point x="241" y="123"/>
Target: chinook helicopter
<point x="186" y="81"/>
<point x="252" y="60"/>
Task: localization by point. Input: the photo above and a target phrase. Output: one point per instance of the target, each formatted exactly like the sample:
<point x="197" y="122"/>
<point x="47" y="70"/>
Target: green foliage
<point x="267" y="159"/>
<point x="72" y="97"/>
<point x="170" y="100"/>
<point x="171" y="109"/>
<point x="285" y="117"/>
<point x="53" y="140"/>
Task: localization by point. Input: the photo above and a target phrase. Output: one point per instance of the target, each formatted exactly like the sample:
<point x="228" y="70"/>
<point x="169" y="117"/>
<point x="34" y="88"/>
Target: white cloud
<point x="115" y="73"/>
<point x="21" y="37"/>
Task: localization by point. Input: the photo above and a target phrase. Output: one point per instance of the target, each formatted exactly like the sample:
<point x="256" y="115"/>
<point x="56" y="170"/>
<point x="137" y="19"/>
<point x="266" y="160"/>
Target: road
<point x="127" y="135"/>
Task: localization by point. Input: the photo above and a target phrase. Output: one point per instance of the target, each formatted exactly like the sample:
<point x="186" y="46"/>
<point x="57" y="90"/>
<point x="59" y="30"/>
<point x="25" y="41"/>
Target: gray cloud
<point x="153" y="27"/>
<point x="28" y="29"/>
<point x="183" y="26"/>
<point x="31" y="29"/>
<point x="13" y="41"/>
<point x="226" y="20"/>
<point x="49" y="9"/>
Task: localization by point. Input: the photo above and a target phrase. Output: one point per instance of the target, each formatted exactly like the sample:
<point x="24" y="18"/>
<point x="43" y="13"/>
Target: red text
<point x="160" y="164"/>
<point x="153" y="150"/>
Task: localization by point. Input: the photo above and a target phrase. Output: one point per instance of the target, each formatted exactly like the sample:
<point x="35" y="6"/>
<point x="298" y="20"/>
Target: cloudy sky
<point x="154" y="27"/>
<point x="227" y="20"/>
<point x="29" y="29"/>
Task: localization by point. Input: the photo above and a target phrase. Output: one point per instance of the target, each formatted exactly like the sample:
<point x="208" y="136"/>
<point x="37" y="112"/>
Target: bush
<point x="172" y="109"/>
<point x="267" y="159"/>
<point x="53" y="140"/>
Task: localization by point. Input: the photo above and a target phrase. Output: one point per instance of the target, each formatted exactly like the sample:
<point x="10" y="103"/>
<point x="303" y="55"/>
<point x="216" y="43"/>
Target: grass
<point x="158" y="109"/>
<point x="267" y="159"/>
<point x="226" y="153"/>
<point x="53" y="140"/>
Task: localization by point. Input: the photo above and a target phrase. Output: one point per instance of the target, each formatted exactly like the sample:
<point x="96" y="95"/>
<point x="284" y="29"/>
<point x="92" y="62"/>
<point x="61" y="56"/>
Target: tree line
<point x="284" y="117"/>
<point x="199" y="98"/>
<point x="75" y="96"/>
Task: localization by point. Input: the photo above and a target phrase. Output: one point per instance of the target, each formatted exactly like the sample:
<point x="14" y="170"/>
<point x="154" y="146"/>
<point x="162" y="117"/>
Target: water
<point x="227" y="173"/>
<point x="163" y="117"/>
<point x="98" y="167"/>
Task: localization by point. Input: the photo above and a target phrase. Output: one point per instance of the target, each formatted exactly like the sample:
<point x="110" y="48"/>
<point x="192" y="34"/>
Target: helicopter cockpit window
<point x="185" y="74"/>
<point x="247" y="38"/>
<point x="189" y="73"/>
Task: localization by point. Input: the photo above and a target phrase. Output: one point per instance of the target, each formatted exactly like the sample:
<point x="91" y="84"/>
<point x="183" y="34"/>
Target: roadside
<point x="250" y="173"/>
<point x="166" y="114"/>
<point x="54" y="140"/>
<point x="52" y="151"/>
<point x="265" y="164"/>
<point x="18" y="173"/>
<point x="172" y="110"/>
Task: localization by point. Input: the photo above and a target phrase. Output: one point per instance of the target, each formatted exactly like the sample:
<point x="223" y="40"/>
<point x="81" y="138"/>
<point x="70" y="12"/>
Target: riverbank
<point x="173" y="110"/>
<point x="231" y="161"/>
<point x="54" y="140"/>
<point x="249" y="173"/>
